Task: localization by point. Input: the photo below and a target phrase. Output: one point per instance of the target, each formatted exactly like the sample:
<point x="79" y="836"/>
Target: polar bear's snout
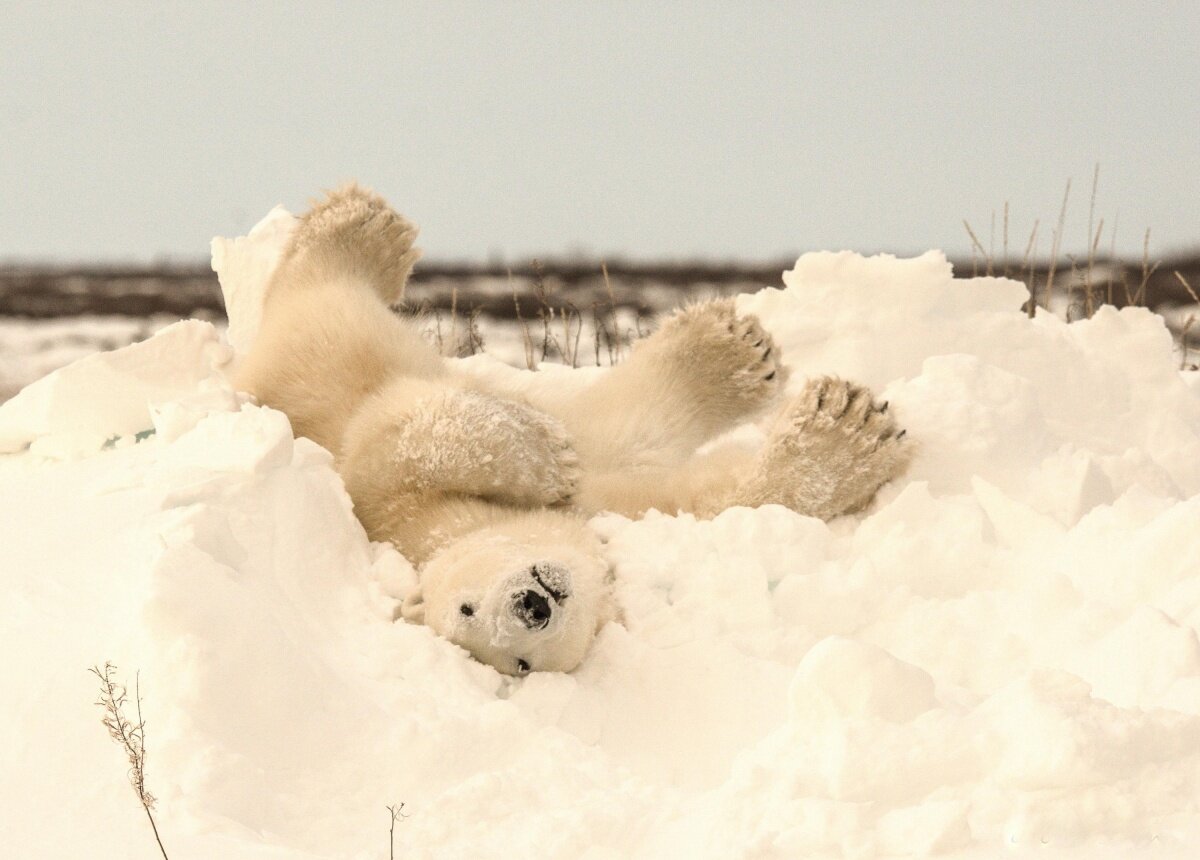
<point x="534" y="605"/>
<point x="533" y="609"/>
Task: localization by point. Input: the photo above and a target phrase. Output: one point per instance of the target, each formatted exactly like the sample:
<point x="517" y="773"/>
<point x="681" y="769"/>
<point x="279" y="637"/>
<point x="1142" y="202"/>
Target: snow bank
<point x="1001" y="654"/>
<point x="81" y="407"/>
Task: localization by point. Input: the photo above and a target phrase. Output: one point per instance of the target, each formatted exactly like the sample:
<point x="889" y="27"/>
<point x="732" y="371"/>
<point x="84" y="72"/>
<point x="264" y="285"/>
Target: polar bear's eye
<point x="522" y="667"/>
<point x="467" y="610"/>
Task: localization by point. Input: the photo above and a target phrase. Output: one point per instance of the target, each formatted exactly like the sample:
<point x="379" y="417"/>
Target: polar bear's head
<point x="518" y="602"/>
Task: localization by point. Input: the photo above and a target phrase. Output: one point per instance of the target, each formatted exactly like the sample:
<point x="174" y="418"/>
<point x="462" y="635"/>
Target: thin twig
<point x="1091" y="260"/>
<point x="526" y="338"/>
<point x="1054" y="248"/>
<point x="1187" y="286"/>
<point x="131" y="736"/>
<point x="976" y="245"/>
<point x="397" y="813"/>
<point x="1183" y="341"/>
<point x="1031" y="249"/>
<point x="1006" y="268"/>
<point x="1147" y="270"/>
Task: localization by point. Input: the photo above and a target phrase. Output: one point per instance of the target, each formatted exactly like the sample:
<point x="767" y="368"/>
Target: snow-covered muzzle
<point x="519" y="605"/>
<point x="539" y="591"/>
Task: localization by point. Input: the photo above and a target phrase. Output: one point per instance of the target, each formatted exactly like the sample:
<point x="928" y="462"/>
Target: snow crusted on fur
<point x="1000" y="654"/>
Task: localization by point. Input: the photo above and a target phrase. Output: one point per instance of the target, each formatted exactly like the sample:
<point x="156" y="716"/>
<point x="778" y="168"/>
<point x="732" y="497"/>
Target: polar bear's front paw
<point x="733" y="363"/>
<point x="830" y="450"/>
<point x="523" y="456"/>
<point x="357" y="230"/>
<point x="551" y="472"/>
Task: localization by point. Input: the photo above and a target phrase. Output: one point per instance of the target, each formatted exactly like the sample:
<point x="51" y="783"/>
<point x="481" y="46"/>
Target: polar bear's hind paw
<point x="737" y="366"/>
<point x="831" y="405"/>
<point x="356" y="230"/>
<point x="829" y="451"/>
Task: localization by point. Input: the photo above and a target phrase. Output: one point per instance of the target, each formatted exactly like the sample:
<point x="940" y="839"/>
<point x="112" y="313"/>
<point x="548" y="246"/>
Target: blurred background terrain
<point x="692" y="148"/>
<point x="579" y="313"/>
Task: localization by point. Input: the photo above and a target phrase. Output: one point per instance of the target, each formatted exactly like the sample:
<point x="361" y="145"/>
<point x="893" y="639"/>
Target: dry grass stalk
<point x="1188" y="323"/>
<point x="1090" y="307"/>
<point x="545" y="310"/>
<point x="526" y="337"/>
<point x="1006" y="273"/>
<point x="1112" y="257"/>
<point x="1187" y="286"/>
<point x="397" y="813"/>
<point x="1026" y="264"/>
<point x="977" y="250"/>
<point x="1056" y="244"/>
<point x="991" y="255"/>
<point x="1147" y="271"/>
<point x="612" y="311"/>
<point x="130" y="735"/>
<point x="1183" y="341"/>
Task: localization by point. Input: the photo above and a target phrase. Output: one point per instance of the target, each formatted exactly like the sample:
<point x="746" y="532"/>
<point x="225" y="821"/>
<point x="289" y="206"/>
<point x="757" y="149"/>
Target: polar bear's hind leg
<point x="328" y="339"/>
<point x="353" y="233"/>
<point x="703" y="372"/>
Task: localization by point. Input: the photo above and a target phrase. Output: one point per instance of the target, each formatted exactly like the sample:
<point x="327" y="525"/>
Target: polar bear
<point x="488" y="492"/>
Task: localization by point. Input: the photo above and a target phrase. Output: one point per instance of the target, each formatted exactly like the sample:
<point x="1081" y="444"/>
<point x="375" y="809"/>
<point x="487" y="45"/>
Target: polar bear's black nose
<point x="533" y="609"/>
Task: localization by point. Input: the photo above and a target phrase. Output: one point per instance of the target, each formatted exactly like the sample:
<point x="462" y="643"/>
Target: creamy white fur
<point x="480" y="488"/>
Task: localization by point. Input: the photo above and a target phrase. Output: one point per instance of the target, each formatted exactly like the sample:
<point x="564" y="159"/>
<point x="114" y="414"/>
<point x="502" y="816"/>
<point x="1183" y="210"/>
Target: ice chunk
<point x="113" y="394"/>
<point x="244" y="266"/>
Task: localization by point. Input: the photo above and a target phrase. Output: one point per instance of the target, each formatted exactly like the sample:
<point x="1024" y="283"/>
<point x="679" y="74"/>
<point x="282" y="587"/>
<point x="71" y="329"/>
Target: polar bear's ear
<point x="413" y="607"/>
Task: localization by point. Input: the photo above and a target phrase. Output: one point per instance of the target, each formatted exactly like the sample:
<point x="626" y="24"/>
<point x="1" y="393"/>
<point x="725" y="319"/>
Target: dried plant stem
<point x="526" y="337"/>
<point x="1030" y="253"/>
<point x="131" y="736"/>
<point x="1187" y="286"/>
<point x="1183" y="341"/>
<point x="612" y="309"/>
<point x="977" y="250"/>
<point x="1090" y="307"/>
<point x="1147" y="271"/>
<point x="397" y="812"/>
<point x="1006" y="271"/>
<point x="991" y="254"/>
<point x="1055" y="244"/>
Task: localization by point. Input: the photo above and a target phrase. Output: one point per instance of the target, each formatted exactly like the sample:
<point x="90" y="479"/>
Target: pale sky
<point x="646" y="130"/>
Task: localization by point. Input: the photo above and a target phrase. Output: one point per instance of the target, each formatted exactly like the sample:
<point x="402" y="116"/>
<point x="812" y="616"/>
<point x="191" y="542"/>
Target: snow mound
<point x="1001" y="654"/>
<point x="79" y="408"/>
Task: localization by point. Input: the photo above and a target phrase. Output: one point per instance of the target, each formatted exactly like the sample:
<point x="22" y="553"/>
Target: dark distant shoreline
<point x="191" y="290"/>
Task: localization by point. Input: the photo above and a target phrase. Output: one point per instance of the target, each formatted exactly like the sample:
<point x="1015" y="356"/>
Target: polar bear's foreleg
<point x="703" y="484"/>
<point x="416" y="443"/>
<point x="704" y="371"/>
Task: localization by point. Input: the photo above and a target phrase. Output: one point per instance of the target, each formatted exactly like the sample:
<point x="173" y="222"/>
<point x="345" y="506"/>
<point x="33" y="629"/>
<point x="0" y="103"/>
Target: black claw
<point x="767" y="354"/>
<point x="760" y="343"/>
<point x="900" y="435"/>
<point x="770" y="376"/>
<point x="884" y="406"/>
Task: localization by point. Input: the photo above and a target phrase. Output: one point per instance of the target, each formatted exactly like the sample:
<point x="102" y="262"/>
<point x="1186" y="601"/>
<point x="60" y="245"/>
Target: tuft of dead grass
<point x="130" y="735"/>
<point x="1094" y="279"/>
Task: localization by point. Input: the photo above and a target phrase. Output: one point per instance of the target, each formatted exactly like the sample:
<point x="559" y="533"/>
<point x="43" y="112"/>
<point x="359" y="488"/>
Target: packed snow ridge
<point x="1000" y="654"/>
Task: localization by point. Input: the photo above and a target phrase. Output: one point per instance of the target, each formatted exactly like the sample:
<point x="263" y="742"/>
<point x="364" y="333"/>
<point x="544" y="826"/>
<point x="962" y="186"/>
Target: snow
<point x="31" y="348"/>
<point x="1001" y="655"/>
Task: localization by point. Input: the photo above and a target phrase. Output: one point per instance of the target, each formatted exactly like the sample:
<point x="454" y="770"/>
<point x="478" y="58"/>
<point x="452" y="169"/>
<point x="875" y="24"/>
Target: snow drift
<point x="1002" y="653"/>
